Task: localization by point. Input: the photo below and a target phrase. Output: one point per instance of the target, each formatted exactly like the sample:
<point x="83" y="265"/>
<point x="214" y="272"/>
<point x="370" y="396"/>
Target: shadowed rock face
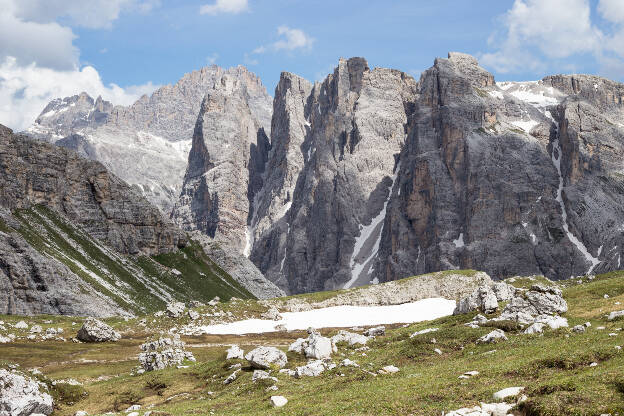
<point x="394" y="177"/>
<point x="372" y="175"/>
<point x="33" y="172"/>
<point x="225" y="166"/>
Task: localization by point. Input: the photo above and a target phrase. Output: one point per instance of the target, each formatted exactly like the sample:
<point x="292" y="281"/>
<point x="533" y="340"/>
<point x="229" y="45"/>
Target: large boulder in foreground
<point x="539" y="300"/>
<point x="266" y="357"/>
<point x="94" y="330"/>
<point x="21" y="396"/>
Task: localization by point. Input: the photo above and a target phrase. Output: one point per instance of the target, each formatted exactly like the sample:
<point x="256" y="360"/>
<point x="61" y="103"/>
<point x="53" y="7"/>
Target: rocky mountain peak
<point x="147" y="144"/>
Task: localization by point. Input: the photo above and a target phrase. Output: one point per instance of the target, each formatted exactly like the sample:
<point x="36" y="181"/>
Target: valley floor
<point x="562" y="372"/>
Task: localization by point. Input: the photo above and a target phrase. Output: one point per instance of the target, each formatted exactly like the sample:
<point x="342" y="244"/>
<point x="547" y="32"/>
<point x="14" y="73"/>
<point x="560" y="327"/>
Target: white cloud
<point x="291" y="39"/>
<point x="247" y="60"/>
<point x="225" y="6"/>
<point x="294" y="39"/>
<point x="212" y="58"/>
<point x="49" y="44"/>
<point x="38" y="61"/>
<point x="555" y="28"/>
<point x="26" y="90"/>
<point x="95" y="14"/>
<point x="612" y="10"/>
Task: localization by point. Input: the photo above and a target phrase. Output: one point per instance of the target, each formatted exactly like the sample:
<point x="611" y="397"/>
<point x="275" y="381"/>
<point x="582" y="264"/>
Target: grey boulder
<point x="264" y="358"/>
<point x="94" y="330"/>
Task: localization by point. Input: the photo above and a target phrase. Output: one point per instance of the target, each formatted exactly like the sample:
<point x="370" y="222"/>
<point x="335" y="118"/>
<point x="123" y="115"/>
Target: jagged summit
<point x="147" y="144"/>
<point x="372" y="175"/>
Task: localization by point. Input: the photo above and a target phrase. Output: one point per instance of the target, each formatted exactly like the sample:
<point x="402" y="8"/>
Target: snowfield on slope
<point x="336" y="317"/>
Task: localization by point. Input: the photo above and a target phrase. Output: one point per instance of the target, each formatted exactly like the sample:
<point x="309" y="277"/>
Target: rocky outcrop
<point x="21" y="395"/>
<point x="32" y="283"/>
<point x="163" y="353"/>
<point x="147" y="143"/>
<point x="36" y="173"/>
<point x="63" y="117"/>
<point x="371" y="176"/>
<point x="230" y="145"/>
<point x="347" y="132"/>
<point x="94" y="330"/>
<point x="448" y="285"/>
<point x="454" y="171"/>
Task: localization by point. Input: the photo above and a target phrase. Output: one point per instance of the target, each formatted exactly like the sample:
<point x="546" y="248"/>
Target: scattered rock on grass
<point x="375" y="332"/>
<point x="278" y="401"/>
<point x="193" y="314"/>
<point x="615" y="315"/>
<point x="508" y="392"/>
<point x="578" y="328"/>
<point x="389" y="369"/>
<point x="162" y="353"/>
<point x="264" y="358"/>
<point x="348" y="363"/>
<point x="493" y="337"/>
<point x="175" y="309"/>
<point x="261" y="375"/>
<point x="318" y="347"/>
<point x="313" y="368"/>
<point x="232" y="377"/>
<point x="94" y="330"/>
<point x="21" y="395"/>
<point x="424" y="331"/>
<point x="349" y="337"/>
<point x="234" y="352"/>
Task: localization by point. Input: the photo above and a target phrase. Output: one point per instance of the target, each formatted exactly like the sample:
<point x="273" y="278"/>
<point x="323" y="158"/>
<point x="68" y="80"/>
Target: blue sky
<point x="124" y="48"/>
<point x="175" y="38"/>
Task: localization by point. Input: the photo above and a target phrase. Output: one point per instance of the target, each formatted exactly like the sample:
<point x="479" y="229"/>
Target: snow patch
<point x="525" y="125"/>
<point x="366" y="232"/>
<point x="564" y="215"/>
<point x="496" y="94"/>
<point x="459" y="242"/>
<point x="337" y="317"/>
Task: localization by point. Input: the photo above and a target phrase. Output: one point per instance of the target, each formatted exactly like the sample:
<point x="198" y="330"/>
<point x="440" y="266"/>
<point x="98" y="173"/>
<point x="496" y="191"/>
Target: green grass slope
<point x="553" y="367"/>
<point x="139" y="284"/>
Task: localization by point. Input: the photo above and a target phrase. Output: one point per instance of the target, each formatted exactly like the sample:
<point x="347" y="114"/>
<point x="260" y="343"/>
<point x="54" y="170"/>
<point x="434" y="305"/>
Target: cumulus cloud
<point x="612" y="10"/>
<point x="536" y="32"/>
<point x="555" y="28"/>
<point x="211" y="59"/>
<point x="26" y="90"/>
<point x="225" y="6"/>
<point x="290" y="39"/>
<point x="46" y="43"/>
<point x="39" y="62"/>
<point x="95" y="14"/>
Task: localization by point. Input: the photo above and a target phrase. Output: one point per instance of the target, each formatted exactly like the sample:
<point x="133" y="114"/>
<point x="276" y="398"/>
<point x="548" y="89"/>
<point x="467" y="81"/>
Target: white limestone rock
<point x="493" y="337"/>
<point x="21" y="395"/>
<point x="264" y="358"/>
<point x="278" y="401"/>
<point x="234" y="352"/>
<point x="94" y="330"/>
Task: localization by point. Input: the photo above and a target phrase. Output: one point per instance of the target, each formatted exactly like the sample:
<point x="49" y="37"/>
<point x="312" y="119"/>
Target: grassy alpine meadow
<point x="562" y="372"/>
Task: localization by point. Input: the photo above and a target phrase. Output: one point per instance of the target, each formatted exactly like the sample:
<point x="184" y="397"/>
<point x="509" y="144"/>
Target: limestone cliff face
<point x="33" y="172"/>
<point x="346" y="134"/>
<point x="225" y="165"/>
<point x="518" y="178"/>
<point x="396" y="177"/>
<point x="147" y="143"/>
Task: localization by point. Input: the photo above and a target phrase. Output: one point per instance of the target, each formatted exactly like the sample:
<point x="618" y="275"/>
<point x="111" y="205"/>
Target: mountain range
<point x="372" y="175"/>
